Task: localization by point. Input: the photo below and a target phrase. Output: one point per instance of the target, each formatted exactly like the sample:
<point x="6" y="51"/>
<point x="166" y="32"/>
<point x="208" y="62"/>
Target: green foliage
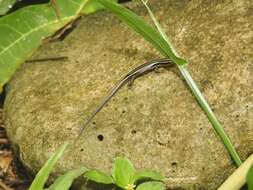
<point x="18" y="40"/>
<point x="151" y="186"/>
<point x="61" y="183"/>
<point x="144" y="29"/>
<point x="160" y="41"/>
<point x="123" y="172"/>
<point x="148" y="174"/>
<point x="23" y="31"/>
<point x="65" y="181"/>
<point x="158" y="26"/>
<point x="21" y="39"/>
<point x="125" y="176"/>
<point x="42" y="176"/>
<point x="249" y="178"/>
<point x="99" y="177"/>
<point x="6" y="5"/>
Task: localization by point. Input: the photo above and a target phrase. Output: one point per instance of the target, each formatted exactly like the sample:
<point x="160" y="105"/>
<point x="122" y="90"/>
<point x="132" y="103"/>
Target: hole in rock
<point x="100" y="137"/>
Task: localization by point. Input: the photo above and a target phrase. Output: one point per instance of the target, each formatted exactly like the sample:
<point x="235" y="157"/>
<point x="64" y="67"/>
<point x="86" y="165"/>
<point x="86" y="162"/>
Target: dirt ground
<point x="12" y="174"/>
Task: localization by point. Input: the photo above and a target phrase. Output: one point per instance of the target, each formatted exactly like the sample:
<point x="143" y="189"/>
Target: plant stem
<point x="238" y="178"/>
<point x="214" y="121"/>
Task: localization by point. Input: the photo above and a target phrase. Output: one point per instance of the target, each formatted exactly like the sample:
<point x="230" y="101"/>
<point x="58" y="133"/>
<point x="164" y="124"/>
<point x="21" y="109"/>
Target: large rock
<point x="157" y="123"/>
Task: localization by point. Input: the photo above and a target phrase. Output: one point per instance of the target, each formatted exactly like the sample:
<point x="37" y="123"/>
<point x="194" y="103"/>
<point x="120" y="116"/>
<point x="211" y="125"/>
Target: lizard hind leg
<point x="131" y="82"/>
<point x="156" y="69"/>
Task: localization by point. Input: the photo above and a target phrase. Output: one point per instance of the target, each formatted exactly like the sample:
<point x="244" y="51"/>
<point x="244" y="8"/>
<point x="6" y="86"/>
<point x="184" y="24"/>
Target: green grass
<point x="124" y="175"/>
<point x="161" y="42"/>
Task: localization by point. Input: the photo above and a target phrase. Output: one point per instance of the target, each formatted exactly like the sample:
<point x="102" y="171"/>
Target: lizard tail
<point x="101" y="105"/>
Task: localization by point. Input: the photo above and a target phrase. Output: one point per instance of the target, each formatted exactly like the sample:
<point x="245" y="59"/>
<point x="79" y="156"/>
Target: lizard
<point x="129" y="78"/>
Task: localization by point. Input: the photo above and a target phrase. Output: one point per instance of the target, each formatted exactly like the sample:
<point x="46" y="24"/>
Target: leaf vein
<point x="30" y="32"/>
<point x="75" y="2"/>
<point x="10" y="27"/>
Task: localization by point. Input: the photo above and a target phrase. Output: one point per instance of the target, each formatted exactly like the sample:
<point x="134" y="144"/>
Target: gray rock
<point x="157" y="123"/>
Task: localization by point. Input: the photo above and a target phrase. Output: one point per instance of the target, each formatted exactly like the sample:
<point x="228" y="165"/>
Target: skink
<point x="130" y="77"/>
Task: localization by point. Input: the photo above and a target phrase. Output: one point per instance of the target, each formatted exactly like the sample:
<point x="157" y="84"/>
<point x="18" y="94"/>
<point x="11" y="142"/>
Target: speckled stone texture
<point x="157" y="123"/>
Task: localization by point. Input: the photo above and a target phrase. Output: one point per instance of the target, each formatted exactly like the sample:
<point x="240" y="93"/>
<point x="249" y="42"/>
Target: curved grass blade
<point x="158" y="26"/>
<point x="42" y="176"/>
<point x="160" y="41"/>
<point x="144" y="29"/>
<point x="23" y="31"/>
<point x="200" y="98"/>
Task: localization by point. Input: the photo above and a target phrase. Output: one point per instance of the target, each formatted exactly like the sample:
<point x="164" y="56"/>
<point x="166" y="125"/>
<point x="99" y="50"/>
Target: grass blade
<point x="162" y="44"/>
<point x="211" y="116"/>
<point x="42" y="176"/>
<point x="239" y="177"/>
<point x="158" y="26"/>
<point x="200" y="98"/>
<point x="142" y="28"/>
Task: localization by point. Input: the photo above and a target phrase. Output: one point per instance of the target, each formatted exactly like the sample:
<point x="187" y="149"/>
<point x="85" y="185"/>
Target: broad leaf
<point x="249" y="178"/>
<point x="99" y="177"/>
<point x="23" y="31"/>
<point x="152" y="185"/>
<point x="6" y="5"/>
<point x="65" y="181"/>
<point x="144" y="29"/>
<point x="148" y="174"/>
<point x="123" y="172"/>
<point x="42" y="176"/>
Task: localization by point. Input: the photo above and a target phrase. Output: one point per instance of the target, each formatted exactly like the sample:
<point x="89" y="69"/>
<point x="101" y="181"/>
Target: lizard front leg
<point x="131" y="81"/>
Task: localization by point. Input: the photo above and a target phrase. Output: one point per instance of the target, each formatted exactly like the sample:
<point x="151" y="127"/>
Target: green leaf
<point x="148" y="174"/>
<point x="123" y="172"/>
<point x="99" y="177"/>
<point x="93" y="6"/>
<point x="144" y="29"/>
<point x="65" y="181"/>
<point x="23" y="31"/>
<point x="42" y="176"/>
<point x="152" y="185"/>
<point x="6" y="5"/>
<point x="249" y="178"/>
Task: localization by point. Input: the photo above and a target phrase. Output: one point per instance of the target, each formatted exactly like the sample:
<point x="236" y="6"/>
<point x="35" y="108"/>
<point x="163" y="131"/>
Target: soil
<point x="12" y="175"/>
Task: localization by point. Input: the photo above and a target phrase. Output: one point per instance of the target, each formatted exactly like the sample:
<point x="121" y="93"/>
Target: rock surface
<point x="157" y="123"/>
